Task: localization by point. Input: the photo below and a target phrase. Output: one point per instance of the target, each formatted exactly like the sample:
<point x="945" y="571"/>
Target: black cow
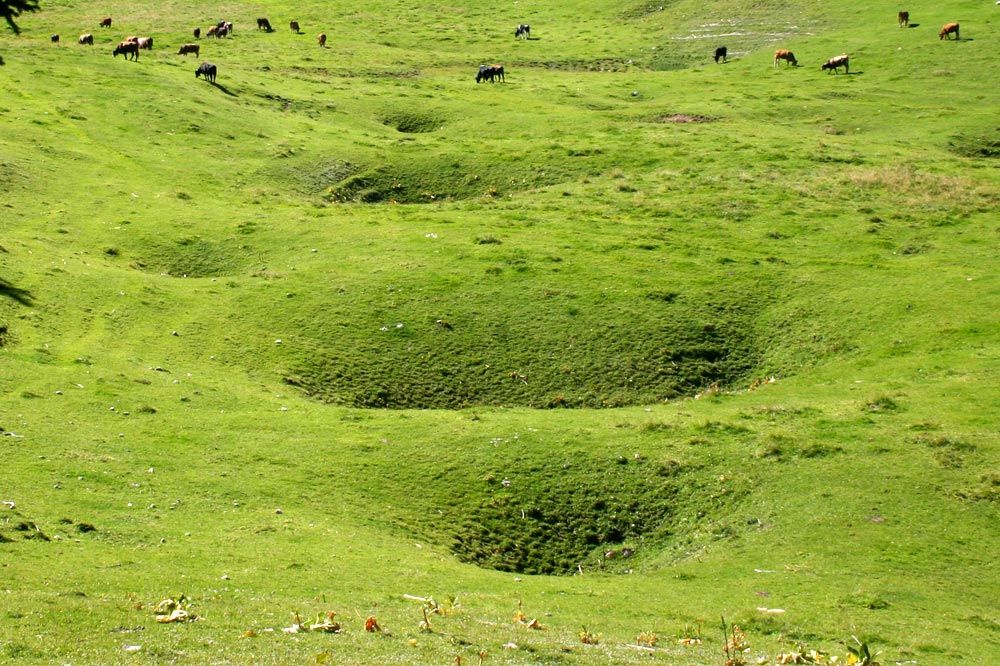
<point x="207" y="70"/>
<point x="264" y="24"/>
<point x="197" y="33"/>
<point x="523" y="31"/>
<point x="54" y="39"/>
<point x="721" y="52"/>
<point x="490" y="72"/>
<point x="127" y="49"/>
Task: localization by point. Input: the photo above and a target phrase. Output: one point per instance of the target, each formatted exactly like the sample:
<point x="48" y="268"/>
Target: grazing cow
<point x="947" y="29"/>
<point x="523" y="31"/>
<point x="721" y="52"/>
<point x="264" y="24"/>
<point x="786" y="55"/>
<point x="213" y="31"/>
<point x="836" y="62"/>
<point x="87" y="38"/>
<point x="54" y="39"/>
<point x="145" y="43"/>
<point x="222" y="32"/>
<point x="294" y="26"/>
<point x="127" y="49"/>
<point x="106" y="22"/>
<point x="207" y="70"/>
<point x="321" y="39"/>
<point x="189" y="48"/>
<point x="904" y="19"/>
<point x="490" y="72"/>
<point x="197" y="33"/>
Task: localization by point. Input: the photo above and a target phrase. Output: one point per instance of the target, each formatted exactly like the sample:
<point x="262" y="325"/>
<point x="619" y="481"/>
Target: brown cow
<point x="321" y="38"/>
<point x="294" y="25"/>
<point x="838" y="61"/>
<point x="904" y="19"/>
<point x="128" y="49"/>
<point x="212" y="31"/>
<point x="786" y="55"/>
<point x="106" y="22"/>
<point x="189" y="48"/>
<point x="947" y="29"/>
<point x="145" y="43"/>
<point x="87" y="38"/>
<point x="490" y="73"/>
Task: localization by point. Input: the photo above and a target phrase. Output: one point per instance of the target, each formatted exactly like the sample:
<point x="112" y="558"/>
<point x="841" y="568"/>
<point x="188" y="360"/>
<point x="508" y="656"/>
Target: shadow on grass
<point x="223" y="88"/>
<point x="22" y="296"/>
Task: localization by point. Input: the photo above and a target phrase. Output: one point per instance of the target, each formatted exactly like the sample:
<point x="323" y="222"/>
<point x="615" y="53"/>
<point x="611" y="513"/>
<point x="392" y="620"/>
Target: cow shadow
<point x="223" y="89"/>
<point x="22" y="296"/>
<point x="913" y="25"/>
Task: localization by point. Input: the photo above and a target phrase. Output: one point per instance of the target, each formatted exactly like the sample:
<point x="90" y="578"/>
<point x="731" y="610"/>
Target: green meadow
<point x="632" y="358"/>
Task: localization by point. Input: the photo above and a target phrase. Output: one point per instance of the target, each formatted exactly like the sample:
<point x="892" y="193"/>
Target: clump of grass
<point x="869" y="600"/>
<point x="988" y="489"/>
<point x="882" y="403"/>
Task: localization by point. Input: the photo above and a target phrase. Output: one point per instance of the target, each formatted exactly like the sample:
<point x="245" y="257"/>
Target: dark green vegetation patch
<point x="562" y="516"/>
<point x="539" y="352"/>
<point x="986" y="145"/>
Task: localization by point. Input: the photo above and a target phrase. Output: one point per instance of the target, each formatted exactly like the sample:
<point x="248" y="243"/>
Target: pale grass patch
<point x="922" y="187"/>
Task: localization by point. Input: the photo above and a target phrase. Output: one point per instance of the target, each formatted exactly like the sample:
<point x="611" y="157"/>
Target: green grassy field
<point x="625" y="345"/>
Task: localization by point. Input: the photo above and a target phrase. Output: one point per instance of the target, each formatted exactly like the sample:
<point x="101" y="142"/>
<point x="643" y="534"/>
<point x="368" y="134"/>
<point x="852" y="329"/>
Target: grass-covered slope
<point x="209" y="294"/>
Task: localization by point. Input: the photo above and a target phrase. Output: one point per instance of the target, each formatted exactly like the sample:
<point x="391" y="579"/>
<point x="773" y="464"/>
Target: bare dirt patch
<point x="684" y="118"/>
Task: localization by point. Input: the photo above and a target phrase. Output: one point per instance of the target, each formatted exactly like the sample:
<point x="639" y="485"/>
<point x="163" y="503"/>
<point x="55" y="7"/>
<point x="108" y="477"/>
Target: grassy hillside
<point x="627" y="344"/>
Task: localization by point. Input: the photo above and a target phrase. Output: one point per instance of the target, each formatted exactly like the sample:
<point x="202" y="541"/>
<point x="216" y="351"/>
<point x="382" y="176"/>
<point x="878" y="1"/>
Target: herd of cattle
<point x="130" y="46"/>
<point x="835" y="63"/>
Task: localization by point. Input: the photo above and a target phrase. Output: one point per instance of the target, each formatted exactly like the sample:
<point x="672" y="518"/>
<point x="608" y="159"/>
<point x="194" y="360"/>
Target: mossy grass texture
<point x="628" y="343"/>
